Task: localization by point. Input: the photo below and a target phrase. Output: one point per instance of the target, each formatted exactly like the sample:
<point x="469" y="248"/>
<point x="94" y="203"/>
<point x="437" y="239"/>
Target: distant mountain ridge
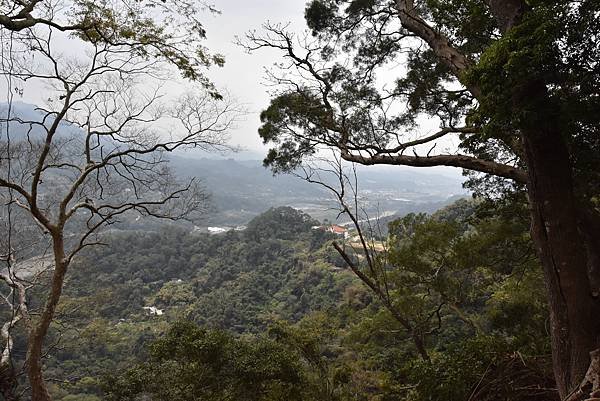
<point x="243" y="189"/>
<point x="29" y="113"/>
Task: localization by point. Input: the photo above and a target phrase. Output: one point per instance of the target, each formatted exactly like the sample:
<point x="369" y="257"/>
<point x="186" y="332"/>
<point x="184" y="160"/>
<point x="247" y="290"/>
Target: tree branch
<point x="461" y="161"/>
<point x="449" y="55"/>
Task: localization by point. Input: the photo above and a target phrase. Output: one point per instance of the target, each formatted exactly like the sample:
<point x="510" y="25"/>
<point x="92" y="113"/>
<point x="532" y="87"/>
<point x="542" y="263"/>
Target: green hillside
<point x="273" y="312"/>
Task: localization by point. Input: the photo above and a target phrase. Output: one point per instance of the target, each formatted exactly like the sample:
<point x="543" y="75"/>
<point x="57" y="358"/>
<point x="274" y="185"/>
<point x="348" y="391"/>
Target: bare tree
<point x="168" y="30"/>
<point x="418" y="296"/>
<point x="95" y="153"/>
<point x="342" y="183"/>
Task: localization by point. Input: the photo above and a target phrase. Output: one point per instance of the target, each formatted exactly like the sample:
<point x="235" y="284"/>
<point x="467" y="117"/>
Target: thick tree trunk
<point x="566" y="235"/>
<point x="39" y="389"/>
<point x="507" y="13"/>
<point x="565" y="232"/>
<point x="561" y="246"/>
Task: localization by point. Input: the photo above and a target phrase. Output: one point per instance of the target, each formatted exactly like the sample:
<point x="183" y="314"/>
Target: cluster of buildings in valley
<point x="352" y="236"/>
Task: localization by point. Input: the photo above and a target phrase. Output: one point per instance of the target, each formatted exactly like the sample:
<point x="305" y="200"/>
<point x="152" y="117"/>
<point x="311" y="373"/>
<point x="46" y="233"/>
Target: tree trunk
<point x="566" y="236"/>
<point x="589" y="223"/>
<point x="565" y="232"/>
<point x="39" y="390"/>
<point x="555" y="230"/>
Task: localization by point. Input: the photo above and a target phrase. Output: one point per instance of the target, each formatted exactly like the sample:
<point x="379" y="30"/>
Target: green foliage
<point x="134" y="25"/>
<point x="469" y="24"/>
<point x="189" y="363"/>
<point x="174" y="293"/>
<point x="450" y="264"/>
<point x="525" y="54"/>
<point x="541" y="72"/>
<point x="239" y="281"/>
<point x="269" y="318"/>
<point x="482" y="368"/>
<point x="318" y="14"/>
<point x="517" y="310"/>
<point x="303" y="110"/>
<point x="467" y="278"/>
<point x="284" y="223"/>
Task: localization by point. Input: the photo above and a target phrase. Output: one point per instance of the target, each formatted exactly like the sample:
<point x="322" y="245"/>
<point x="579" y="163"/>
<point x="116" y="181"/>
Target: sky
<point x="243" y="73"/>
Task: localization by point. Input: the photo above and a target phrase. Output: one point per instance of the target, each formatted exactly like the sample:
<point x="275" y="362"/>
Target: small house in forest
<point x="335" y="229"/>
<point x="338" y="230"/>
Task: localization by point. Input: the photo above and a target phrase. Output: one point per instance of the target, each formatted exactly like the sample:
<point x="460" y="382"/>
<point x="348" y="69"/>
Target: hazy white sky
<point x="243" y="73"/>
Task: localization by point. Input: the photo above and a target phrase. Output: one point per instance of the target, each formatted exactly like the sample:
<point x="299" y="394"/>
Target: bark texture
<point x="563" y="231"/>
<point x="39" y="389"/>
<point x="507" y="13"/>
<point x="574" y="312"/>
<point x="8" y="383"/>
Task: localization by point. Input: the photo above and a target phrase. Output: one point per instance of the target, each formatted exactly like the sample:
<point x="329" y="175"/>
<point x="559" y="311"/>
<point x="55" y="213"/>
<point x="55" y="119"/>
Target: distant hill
<point x="243" y="189"/>
<point x="29" y="113"/>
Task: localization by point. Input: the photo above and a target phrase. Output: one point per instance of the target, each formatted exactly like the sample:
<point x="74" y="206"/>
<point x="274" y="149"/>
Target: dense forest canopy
<point x="321" y="334"/>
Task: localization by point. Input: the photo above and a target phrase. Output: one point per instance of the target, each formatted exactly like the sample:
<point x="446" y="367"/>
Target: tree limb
<point x="461" y="161"/>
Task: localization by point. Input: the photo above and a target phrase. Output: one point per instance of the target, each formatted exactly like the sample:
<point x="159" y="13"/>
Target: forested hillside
<point x="278" y="269"/>
<point x="465" y="277"/>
